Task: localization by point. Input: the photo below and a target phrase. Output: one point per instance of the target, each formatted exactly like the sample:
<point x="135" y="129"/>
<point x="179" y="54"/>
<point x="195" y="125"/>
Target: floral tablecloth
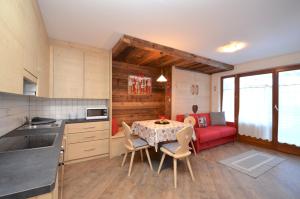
<point x="156" y="133"/>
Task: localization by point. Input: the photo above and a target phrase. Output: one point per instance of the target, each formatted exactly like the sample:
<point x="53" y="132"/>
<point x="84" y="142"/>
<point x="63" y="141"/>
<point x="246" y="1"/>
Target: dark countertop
<point x="82" y="120"/>
<point x="30" y="172"/>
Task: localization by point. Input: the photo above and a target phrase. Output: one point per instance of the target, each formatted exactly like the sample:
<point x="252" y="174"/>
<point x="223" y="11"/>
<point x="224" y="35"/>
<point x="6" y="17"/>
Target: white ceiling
<point x="270" y="27"/>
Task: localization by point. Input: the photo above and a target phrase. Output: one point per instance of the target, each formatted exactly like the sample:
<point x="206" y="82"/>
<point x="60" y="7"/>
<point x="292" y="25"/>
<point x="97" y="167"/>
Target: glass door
<point x="288" y="107"/>
<point x="255" y="106"/>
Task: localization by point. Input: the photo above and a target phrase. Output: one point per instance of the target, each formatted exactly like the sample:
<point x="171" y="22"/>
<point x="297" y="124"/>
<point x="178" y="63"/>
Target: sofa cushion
<point x="217" y="118"/>
<point x="202" y="122"/>
<point x="206" y="115"/>
<point x="180" y="118"/>
<point x="214" y="132"/>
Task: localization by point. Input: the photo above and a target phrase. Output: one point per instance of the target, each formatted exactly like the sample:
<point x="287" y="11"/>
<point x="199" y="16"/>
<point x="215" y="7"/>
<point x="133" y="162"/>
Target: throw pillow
<point x="202" y="122"/>
<point x="217" y="119"/>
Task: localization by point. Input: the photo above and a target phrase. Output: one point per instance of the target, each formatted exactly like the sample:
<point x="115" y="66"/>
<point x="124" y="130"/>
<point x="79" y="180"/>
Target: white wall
<point x="271" y="62"/>
<point x="182" y="99"/>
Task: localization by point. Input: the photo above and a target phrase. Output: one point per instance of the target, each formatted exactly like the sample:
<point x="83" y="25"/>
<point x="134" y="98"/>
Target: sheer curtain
<point x="228" y="98"/>
<point x="289" y="107"/>
<point x="255" y="113"/>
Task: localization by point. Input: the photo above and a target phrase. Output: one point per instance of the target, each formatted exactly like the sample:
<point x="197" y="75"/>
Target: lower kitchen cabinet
<point x="86" y="140"/>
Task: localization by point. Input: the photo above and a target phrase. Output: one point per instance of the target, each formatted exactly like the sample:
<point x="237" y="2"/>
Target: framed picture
<point x="139" y="85"/>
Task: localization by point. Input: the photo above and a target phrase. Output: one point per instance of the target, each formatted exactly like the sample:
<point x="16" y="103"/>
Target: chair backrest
<point x="127" y="132"/>
<point x="190" y="120"/>
<point x="184" y="137"/>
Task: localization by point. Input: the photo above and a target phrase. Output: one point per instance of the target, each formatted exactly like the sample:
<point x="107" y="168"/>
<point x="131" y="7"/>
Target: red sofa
<point x="211" y="136"/>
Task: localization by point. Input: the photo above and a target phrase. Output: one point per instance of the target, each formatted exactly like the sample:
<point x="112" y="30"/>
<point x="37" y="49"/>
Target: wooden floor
<point x="104" y="178"/>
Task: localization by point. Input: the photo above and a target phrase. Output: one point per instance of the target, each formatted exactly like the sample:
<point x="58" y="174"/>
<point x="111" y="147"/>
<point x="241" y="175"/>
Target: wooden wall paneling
<point x="168" y="92"/>
<point x="131" y="108"/>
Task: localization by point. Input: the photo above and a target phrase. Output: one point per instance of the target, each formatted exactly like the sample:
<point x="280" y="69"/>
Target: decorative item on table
<point x="195" y="108"/>
<point x="139" y="85"/>
<point x="162" y="121"/>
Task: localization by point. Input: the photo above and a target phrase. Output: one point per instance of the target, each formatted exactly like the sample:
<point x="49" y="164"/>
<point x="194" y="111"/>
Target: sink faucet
<point x="27" y="120"/>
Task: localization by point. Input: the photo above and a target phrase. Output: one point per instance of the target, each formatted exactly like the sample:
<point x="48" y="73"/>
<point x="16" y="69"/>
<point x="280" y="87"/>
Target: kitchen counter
<point x="83" y="120"/>
<point x="30" y="172"/>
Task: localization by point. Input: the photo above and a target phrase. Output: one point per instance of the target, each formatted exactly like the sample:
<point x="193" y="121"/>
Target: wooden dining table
<point x="156" y="133"/>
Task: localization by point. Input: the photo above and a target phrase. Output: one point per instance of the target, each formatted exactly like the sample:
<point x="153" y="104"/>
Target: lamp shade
<point x="161" y="78"/>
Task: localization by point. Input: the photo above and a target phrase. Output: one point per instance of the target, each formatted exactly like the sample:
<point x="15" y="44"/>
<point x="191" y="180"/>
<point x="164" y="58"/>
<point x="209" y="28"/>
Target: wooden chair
<point x="191" y="120"/>
<point x="132" y="145"/>
<point x="178" y="150"/>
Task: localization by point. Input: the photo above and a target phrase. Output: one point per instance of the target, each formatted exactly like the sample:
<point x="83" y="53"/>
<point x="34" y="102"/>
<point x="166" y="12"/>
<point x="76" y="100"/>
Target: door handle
<point x="276" y="107"/>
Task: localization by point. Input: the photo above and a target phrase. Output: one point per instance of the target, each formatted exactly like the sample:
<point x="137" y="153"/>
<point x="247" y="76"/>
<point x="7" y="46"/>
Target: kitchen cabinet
<point x="79" y="71"/>
<point x="67" y="72"/>
<point x="117" y="147"/>
<point x="43" y="65"/>
<point x="96" y="75"/>
<point x="11" y="70"/>
<point x="22" y="33"/>
<point x="86" y="140"/>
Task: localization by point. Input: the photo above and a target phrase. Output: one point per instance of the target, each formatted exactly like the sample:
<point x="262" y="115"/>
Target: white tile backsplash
<point x="61" y="108"/>
<point x="14" y="109"/>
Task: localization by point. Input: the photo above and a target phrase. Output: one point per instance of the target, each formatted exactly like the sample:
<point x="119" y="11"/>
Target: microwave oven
<point x="96" y="113"/>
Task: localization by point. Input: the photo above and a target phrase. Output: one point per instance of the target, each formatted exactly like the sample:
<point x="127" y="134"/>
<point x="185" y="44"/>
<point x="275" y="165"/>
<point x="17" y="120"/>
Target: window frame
<point x="274" y="144"/>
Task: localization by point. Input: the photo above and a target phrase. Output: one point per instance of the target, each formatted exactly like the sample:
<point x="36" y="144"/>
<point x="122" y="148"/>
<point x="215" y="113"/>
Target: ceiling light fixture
<point x="232" y="47"/>
<point x="161" y="78"/>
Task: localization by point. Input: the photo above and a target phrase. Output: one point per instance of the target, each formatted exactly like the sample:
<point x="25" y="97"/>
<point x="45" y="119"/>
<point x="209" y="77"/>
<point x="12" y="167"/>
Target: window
<point x="228" y="98"/>
<point x="255" y="106"/>
<point x="289" y="107"/>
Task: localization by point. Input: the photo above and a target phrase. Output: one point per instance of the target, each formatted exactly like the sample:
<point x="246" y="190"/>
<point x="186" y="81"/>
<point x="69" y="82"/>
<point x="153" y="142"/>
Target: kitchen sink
<point x="26" y="142"/>
<point x="55" y="124"/>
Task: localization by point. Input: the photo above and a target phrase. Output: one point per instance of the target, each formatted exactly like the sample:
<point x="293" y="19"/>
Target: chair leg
<point x="175" y="171"/>
<point x="193" y="147"/>
<point x="190" y="168"/>
<point x="124" y="159"/>
<point x="161" y="162"/>
<point x="131" y="162"/>
<point x="142" y="157"/>
<point x="149" y="160"/>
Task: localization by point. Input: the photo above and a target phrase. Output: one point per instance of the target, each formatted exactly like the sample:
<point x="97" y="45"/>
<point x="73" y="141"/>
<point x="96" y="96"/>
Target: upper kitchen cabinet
<point x="11" y="78"/>
<point x="24" y="47"/>
<point x="43" y="65"/>
<point x="79" y="71"/>
<point x="68" y="76"/>
<point x="96" y="75"/>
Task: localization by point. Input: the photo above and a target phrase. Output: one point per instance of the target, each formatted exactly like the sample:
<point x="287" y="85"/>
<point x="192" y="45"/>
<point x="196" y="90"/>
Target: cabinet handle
<point x="87" y="150"/>
<point x="92" y="127"/>
<point x="89" y="137"/>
